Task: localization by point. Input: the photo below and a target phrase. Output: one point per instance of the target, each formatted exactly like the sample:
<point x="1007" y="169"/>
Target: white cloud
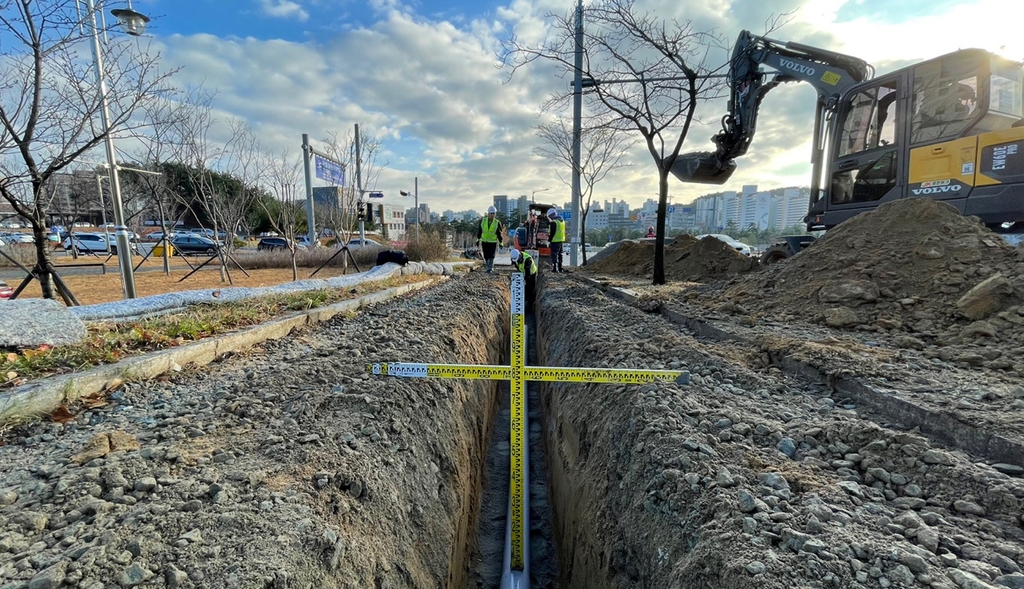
<point x="284" y="9"/>
<point x="431" y="91"/>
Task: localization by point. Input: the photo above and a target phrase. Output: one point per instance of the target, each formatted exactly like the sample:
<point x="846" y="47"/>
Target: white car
<point x="88" y="243"/>
<point x="355" y="243"/>
<point x="737" y="245"/>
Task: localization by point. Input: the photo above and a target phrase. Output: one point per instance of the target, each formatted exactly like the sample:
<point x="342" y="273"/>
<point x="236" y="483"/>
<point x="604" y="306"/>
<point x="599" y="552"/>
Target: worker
<point x="557" y="231"/>
<point x="523" y="262"/>
<point x="650" y="232"/>
<point x="490" y="233"/>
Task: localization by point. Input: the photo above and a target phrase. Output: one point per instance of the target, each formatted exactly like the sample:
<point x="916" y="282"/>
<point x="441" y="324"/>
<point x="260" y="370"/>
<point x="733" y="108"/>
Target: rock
<point x="908" y="342"/>
<point x="725" y="478"/>
<point x="145" y="484"/>
<point x="932" y="456"/>
<point x="756" y="567"/>
<point x="174" y="577"/>
<point x="746" y="501"/>
<point x="813" y="525"/>
<point x="793" y="539"/>
<point x="194" y="536"/>
<point x="773" y="480"/>
<point x="914" y="562"/>
<point x="880" y="474"/>
<point x="134" y="575"/>
<point x="851" y="487"/>
<point x="1013" y="581"/>
<point x="840" y="317"/>
<point x="1003" y="563"/>
<point x="30" y="323"/>
<point x="928" y="538"/>
<point x="122" y="441"/>
<point x="97" y="447"/>
<point x="787" y="446"/>
<point x="987" y="297"/>
<point x="8" y="498"/>
<point x="968" y="507"/>
<point x="848" y="292"/>
<point x="967" y="581"/>
<point x="978" y="329"/>
<point x="1010" y="469"/>
<point x="50" y="578"/>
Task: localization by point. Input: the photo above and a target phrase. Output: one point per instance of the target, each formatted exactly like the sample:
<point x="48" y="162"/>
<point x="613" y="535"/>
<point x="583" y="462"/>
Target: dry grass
<point x="431" y="247"/>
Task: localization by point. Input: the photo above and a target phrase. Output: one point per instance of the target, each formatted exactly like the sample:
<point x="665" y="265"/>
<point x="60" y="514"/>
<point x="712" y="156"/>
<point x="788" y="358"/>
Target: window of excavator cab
<point x="871" y="120"/>
<point x="1005" y="89"/>
<point x="945" y="99"/>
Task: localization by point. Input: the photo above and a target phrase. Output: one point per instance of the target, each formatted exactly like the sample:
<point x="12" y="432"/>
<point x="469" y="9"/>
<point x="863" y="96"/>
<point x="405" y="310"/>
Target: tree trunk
<point x="42" y="268"/>
<point x="295" y="268"/>
<point x="659" y="236"/>
<point x="583" y="235"/>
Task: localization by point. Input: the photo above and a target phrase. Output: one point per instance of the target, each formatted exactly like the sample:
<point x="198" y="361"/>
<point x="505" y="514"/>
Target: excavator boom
<point x="830" y="73"/>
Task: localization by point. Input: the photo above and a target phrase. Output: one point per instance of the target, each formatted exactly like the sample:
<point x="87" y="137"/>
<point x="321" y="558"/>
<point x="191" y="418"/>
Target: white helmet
<point x="514" y="254"/>
<point x="491" y="210"/>
<point x="552" y="213"/>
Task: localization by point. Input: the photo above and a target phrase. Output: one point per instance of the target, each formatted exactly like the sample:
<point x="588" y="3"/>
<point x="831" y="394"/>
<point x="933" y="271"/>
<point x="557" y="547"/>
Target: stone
<point x="97" y="447"/>
<point x="787" y="446"/>
<point x="914" y="562"/>
<point x="746" y="501"/>
<point x="793" y="539"/>
<point x="987" y="297"/>
<point x="851" y="487"/>
<point x="50" y="578"/>
<point x="880" y="474"/>
<point x="756" y="567"/>
<point x="134" y="575"/>
<point x="773" y="480"/>
<point x="1013" y="581"/>
<point x="969" y="507"/>
<point x="174" y="578"/>
<point x="122" y="441"/>
<point x="1010" y="469"/>
<point x="932" y="456"/>
<point x="908" y="342"/>
<point x="145" y="484"/>
<point x="852" y="292"/>
<point x="966" y="580"/>
<point x="928" y="538"/>
<point x="725" y="479"/>
<point x="30" y="323"/>
<point x="840" y="317"/>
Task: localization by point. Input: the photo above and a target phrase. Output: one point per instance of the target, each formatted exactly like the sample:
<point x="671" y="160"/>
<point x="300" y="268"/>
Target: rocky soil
<point x="685" y="259"/>
<point x="289" y="467"/>
<point x="749" y="476"/>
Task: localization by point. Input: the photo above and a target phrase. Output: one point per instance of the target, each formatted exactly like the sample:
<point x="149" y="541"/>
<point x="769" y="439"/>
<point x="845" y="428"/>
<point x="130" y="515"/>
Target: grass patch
<point x="109" y="342"/>
<point x="432" y="246"/>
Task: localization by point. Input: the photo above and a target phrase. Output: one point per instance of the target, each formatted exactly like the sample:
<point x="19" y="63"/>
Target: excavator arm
<point x="830" y="73"/>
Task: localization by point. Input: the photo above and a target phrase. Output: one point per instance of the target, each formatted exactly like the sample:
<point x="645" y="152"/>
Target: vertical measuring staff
<point x="517" y="441"/>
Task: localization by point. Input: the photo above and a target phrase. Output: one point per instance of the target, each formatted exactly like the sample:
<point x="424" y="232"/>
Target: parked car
<point x="276" y="243"/>
<point x="157" y="236"/>
<point x="737" y="245"/>
<point x="5" y="291"/>
<point x="355" y="243"/>
<point x="303" y="240"/>
<point x="21" y="238"/>
<point x="186" y="244"/>
<point x="88" y="243"/>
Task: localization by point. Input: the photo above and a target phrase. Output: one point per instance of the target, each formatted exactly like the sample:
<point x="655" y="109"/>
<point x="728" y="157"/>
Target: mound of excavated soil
<point x="913" y="265"/>
<point x="685" y="259"/>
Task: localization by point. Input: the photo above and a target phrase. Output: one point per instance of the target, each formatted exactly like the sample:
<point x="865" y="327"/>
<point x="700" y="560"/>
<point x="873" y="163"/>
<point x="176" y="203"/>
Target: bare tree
<point x="50" y="102"/>
<point x="660" y="71"/>
<point x="285" y="183"/>
<point x="602" y="148"/>
<point x="342" y="219"/>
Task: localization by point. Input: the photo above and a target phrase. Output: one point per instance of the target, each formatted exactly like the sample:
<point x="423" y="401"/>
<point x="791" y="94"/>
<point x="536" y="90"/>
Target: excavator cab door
<point x="868" y="159"/>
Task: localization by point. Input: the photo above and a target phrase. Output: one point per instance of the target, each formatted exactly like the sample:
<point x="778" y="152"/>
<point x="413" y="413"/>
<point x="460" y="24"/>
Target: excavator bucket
<point x="703" y="167"/>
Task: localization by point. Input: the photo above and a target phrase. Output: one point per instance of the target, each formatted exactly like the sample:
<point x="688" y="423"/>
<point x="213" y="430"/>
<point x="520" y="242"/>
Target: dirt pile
<point x="912" y="266"/>
<point x="686" y="259"/>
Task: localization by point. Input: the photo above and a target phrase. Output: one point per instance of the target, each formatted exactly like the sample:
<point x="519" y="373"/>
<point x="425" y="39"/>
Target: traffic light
<point x="361" y="210"/>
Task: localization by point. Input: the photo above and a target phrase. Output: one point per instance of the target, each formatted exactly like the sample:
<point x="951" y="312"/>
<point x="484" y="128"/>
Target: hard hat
<point x="552" y="213"/>
<point x="514" y="254"/>
<point x="491" y="210"/>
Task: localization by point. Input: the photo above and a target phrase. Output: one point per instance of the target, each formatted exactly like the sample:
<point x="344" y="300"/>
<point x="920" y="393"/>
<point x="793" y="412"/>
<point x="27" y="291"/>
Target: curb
<point x="940" y="426"/>
<point x="44" y="396"/>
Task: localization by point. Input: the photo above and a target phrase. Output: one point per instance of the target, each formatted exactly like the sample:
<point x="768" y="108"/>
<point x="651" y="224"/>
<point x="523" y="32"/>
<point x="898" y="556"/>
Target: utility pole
<point x="307" y="154"/>
<point x="359" y="190"/>
<point x="577" y="115"/>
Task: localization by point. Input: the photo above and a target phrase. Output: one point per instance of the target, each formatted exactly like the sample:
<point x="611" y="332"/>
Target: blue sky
<point x="421" y="77"/>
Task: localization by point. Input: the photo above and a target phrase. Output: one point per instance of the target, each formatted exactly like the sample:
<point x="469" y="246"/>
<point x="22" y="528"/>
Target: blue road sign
<point x="687" y="209"/>
<point x="671" y="209"/>
<point x="376" y="195"/>
<point x="567" y="215"/>
<point x="332" y="172"/>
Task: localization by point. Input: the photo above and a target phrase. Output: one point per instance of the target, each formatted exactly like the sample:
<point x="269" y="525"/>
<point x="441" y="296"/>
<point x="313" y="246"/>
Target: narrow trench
<point x="485" y="562"/>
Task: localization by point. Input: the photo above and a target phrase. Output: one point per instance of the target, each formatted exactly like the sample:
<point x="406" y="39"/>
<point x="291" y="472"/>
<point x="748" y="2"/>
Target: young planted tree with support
<point x="50" y="103"/>
<point x="602" y="148"/>
<point x="343" y="219"/>
<point x="285" y="211"/>
<point x="645" y="73"/>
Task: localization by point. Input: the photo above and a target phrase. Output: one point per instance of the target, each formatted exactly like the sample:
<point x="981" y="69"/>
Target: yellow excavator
<point x="949" y="128"/>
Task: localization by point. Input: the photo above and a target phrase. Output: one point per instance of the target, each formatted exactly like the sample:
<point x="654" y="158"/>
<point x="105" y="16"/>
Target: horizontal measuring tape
<point x="530" y="373"/>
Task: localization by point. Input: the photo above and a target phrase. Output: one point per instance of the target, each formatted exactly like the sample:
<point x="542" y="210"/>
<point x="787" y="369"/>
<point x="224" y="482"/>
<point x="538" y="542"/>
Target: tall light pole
<point x="577" y="116"/>
<point x="133" y="24"/>
<point x="416" y="196"/>
<point x="534" y="193"/>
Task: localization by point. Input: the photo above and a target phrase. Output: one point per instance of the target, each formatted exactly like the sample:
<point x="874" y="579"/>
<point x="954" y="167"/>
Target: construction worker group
<point x="491" y="233"/>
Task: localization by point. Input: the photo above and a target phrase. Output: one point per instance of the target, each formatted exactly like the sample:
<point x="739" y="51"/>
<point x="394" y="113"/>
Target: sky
<point x="423" y="78"/>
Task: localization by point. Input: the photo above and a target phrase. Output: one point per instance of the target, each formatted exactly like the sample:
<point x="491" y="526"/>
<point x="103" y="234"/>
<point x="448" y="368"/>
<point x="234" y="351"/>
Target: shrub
<point x="431" y="247"/>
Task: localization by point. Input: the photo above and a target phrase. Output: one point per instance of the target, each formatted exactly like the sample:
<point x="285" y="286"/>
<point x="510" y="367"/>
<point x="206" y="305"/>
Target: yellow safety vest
<point x="489" y="231"/>
<point x="523" y="257"/>
<point x="559" y="233"/>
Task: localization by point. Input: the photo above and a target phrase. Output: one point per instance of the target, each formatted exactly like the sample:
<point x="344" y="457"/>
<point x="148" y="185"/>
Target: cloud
<point x="284" y="9"/>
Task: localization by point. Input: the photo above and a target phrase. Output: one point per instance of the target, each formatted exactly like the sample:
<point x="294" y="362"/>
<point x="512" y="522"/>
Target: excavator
<point x="949" y="128"/>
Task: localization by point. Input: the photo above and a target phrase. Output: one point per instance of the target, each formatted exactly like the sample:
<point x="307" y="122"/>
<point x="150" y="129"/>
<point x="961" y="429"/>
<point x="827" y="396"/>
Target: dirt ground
<point x="103" y="288"/>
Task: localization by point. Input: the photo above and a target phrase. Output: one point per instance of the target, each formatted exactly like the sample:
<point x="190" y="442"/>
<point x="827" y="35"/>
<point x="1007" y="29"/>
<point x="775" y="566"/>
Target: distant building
<point x="391" y="218"/>
<point x="501" y="203"/>
<point x="330" y="196"/>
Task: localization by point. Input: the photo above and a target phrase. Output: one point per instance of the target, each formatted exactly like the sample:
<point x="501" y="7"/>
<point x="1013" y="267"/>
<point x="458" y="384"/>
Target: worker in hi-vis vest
<point x="523" y="262"/>
<point x="557" y="231"/>
<point x="489" y="234"/>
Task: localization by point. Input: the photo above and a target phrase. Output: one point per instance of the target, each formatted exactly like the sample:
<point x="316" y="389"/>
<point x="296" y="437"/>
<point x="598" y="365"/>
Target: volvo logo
<point x="937" y="189"/>
<point x="796" y="67"/>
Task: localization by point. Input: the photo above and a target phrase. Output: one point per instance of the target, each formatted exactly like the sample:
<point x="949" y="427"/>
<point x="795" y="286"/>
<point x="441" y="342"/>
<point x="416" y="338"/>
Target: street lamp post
<point x="133" y="24"/>
<point x="534" y="193"/>
<point x="416" y="203"/>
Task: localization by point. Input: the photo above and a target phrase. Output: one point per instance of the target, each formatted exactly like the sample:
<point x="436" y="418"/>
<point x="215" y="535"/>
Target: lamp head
<point x="133" y="23"/>
<point x="403" y="193"/>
